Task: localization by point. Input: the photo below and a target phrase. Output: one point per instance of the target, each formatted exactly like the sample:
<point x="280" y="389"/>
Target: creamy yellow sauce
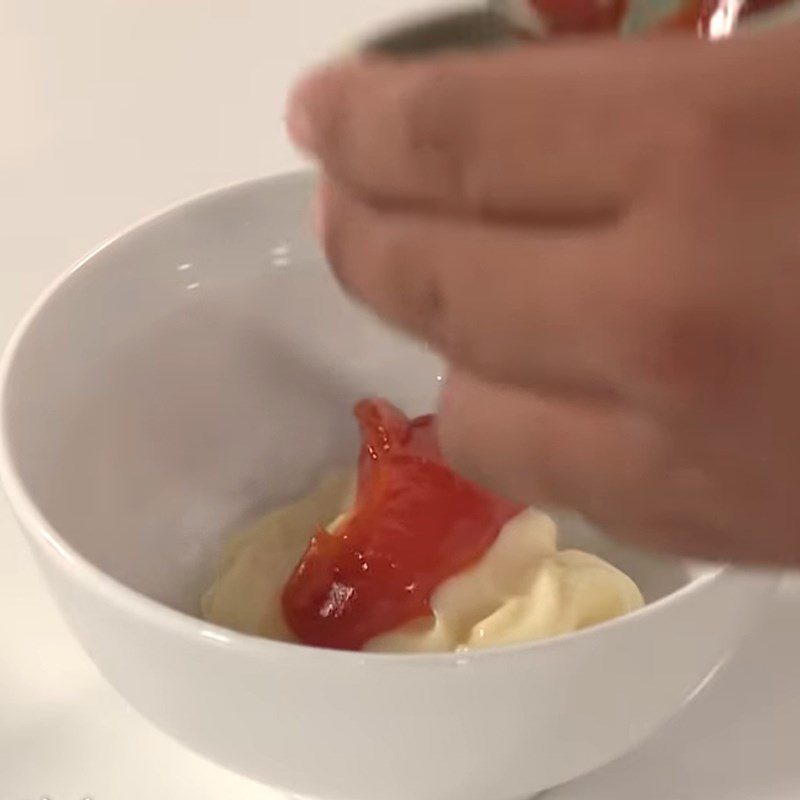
<point x="523" y="589"/>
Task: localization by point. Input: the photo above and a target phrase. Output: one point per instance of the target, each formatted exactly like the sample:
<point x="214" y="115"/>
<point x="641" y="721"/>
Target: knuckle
<point x="413" y="279"/>
<point x="696" y="355"/>
<point x="440" y="126"/>
<point x="451" y="325"/>
<point x="456" y="295"/>
<point x="684" y="342"/>
<point x="665" y="354"/>
<point x="389" y="267"/>
<point x="398" y="258"/>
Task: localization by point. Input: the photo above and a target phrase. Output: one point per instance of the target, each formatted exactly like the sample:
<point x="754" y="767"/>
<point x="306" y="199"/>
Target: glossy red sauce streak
<point x="415" y="523"/>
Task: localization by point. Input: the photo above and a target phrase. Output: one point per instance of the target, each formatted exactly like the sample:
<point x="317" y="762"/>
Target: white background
<point x="110" y="109"/>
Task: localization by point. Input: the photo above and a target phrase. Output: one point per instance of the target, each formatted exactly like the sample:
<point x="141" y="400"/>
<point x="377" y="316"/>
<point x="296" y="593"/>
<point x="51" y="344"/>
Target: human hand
<point x="601" y="239"/>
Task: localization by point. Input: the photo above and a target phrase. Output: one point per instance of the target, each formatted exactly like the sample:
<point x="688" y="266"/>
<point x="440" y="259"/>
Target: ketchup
<point x="415" y="523"/>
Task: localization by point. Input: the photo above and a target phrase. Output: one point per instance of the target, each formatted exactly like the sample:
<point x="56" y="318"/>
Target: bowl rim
<point x="44" y="537"/>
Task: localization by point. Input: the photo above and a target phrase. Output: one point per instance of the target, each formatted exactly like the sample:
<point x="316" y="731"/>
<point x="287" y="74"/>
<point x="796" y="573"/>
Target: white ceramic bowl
<point x="201" y="367"/>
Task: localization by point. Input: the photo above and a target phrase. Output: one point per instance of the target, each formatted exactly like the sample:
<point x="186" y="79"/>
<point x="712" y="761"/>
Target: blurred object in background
<point x="714" y="19"/>
<point x="501" y="23"/>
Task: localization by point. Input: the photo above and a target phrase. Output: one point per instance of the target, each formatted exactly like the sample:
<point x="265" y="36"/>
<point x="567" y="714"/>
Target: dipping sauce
<point x="504" y="582"/>
<point x="414" y="524"/>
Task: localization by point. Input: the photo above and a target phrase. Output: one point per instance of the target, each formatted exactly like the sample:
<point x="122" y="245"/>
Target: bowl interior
<point x="197" y="370"/>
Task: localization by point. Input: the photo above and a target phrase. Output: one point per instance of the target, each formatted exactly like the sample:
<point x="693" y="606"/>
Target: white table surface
<point x="110" y="109"/>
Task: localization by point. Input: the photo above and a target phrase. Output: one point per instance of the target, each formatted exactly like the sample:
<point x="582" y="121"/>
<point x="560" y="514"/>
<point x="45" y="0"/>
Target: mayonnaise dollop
<point x="523" y="589"/>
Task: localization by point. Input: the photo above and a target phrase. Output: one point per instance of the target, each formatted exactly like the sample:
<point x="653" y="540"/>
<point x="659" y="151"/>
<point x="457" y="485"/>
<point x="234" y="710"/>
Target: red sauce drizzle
<point x="415" y="523"/>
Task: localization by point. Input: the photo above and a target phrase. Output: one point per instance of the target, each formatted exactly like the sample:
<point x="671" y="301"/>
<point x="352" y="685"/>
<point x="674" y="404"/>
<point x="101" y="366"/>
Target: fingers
<point x="578" y="454"/>
<point x="618" y="467"/>
<point x="551" y="130"/>
<point x="512" y="304"/>
<point x="603" y="309"/>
